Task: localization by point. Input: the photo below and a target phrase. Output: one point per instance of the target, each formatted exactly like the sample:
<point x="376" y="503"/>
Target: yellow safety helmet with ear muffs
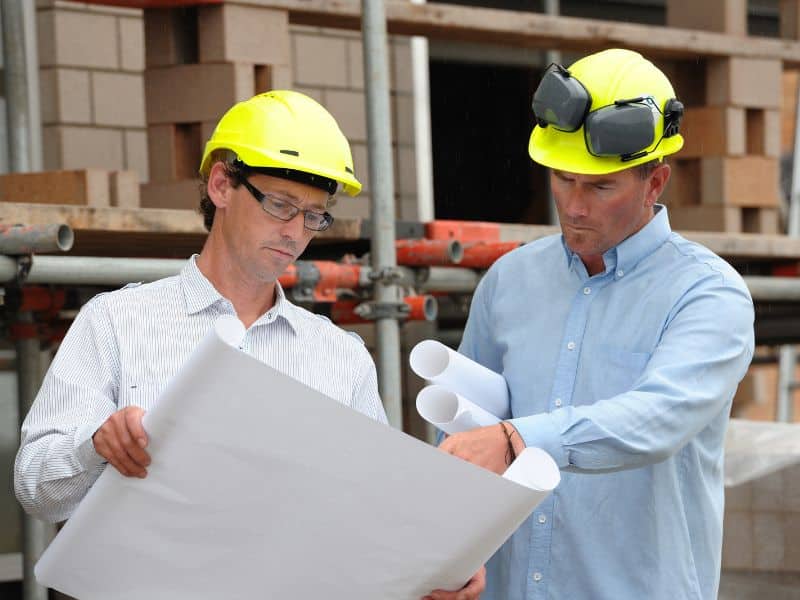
<point x="609" y="111"/>
<point x="283" y="129"/>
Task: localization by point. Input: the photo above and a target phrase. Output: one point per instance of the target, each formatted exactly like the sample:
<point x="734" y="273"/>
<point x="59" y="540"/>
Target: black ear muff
<point x="673" y="113"/>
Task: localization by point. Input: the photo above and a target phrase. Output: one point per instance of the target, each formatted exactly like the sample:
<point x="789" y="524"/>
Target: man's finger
<point x="122" y="460"/>
<point x="131" y="447"/>
<point x="133" y="419"/>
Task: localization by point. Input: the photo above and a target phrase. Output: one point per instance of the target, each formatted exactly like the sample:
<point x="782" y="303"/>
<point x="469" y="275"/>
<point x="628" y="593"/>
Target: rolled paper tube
<point x="451" y="412"/>
<point x="442" y="366"/>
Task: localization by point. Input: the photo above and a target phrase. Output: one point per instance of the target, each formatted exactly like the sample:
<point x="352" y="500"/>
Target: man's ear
<point x="657" y="183"/>
<point x="219" y="186"/>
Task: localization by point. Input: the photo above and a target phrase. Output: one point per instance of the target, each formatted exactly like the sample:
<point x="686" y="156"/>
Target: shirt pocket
<point x="615" y="370"/>
<point x="143" y="394"/>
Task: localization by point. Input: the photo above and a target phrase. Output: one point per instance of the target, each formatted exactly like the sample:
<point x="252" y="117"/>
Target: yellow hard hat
<point x="628" y="100"/>
<point x="285" y="130"/>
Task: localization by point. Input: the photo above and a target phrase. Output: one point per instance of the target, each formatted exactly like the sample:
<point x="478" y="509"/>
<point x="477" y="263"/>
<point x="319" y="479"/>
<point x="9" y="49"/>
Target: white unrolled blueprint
<point x="451" y="412"/>
<point x="261" y="487"/>
<point x="443" y="366"/>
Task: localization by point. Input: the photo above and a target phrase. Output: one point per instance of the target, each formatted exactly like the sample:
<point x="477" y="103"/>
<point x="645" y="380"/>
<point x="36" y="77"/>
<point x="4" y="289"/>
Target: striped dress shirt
<point x="126" y="345"/>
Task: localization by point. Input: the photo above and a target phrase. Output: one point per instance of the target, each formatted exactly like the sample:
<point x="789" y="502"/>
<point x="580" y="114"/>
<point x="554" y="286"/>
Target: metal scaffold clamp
<point x="386" y="275"/>
<point x="373" y="311"/>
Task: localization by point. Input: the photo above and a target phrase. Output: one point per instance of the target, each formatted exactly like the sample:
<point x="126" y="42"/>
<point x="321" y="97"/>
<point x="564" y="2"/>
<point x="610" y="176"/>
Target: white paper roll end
<point x="535" y="469"/>
<point x="437" y="405"/>
<point x="429" y="359"/>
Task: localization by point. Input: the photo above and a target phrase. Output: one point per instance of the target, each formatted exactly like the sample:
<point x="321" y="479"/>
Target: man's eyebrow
<point x="284" y="195"/>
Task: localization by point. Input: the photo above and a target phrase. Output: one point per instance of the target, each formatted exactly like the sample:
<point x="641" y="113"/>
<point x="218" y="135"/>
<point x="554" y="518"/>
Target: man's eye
<point x="279" y="204"/>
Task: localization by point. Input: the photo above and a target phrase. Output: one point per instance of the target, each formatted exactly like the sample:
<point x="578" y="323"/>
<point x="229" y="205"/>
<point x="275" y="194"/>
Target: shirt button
<point x="558" y="402"/>
<point x="571" y="346"/>
<point x="542" y="519"/>
<point x="587" y="290"/>
<point x="620" y="273"/>
<point x="537" y="576"/>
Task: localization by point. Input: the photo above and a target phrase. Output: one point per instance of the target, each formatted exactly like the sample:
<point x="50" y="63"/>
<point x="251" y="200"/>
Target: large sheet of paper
<point x="263" y="488"/>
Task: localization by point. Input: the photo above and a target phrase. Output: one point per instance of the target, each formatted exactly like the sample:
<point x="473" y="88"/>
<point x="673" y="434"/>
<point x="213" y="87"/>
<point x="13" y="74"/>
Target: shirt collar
<point x="199" y="294"/>
<point x="627" y="254"/>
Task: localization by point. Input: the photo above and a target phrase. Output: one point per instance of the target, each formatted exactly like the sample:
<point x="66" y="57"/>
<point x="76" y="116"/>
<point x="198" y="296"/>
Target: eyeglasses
<point x="285" y="210"/>
<point x="624" y="129"/>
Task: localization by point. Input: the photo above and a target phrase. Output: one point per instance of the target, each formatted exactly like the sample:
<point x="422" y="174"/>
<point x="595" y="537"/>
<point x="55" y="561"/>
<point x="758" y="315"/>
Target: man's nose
<point x="576" y="203"/>
<point x="293" y="228"/>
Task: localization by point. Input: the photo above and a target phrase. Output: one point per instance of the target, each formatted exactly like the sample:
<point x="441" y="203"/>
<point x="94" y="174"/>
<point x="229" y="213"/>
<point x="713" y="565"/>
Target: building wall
<point x="92" y="91"/>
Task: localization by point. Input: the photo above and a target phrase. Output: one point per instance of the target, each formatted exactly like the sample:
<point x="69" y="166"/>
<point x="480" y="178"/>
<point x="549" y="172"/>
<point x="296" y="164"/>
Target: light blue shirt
<point x="625" y="379"/>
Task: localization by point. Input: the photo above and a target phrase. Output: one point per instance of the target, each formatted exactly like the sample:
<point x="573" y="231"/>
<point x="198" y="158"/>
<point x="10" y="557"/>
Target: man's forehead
<point x="292" y="190"/>
<point x="602" y="178"/>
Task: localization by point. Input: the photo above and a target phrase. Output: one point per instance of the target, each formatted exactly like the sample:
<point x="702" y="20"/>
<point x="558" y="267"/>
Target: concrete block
<point x="77" y="39"/>
<point x="745" y="82"/>
<point x="86" y="187"/>
<point x="118" y="99"/>
<point x="768" y="541"/>
<point x="406" y="169"/>
<point x="768" y="492"/>
<point x="747" y="181"/>
<point x="402" y="78"/>
<point x="347" y="207"/>
<point x="124" y="189"/>
<point x="195" y="93"/>
<point x="683" y="188"/>
<point x="317" y="94"/>
<point x="724" y="16"/>
<point x="791" y="550"/>
<point x="319" y="60"/>
<point x="790" y="19"/>
<point x="737" y="540"/>
<point x="170" y="36"/>
<point x="65" y="96"/>
<point x="355" y="64"/>
<point x="175" y="194"/>
<point x="361" y="164"/>
<point x="713" y="131"/>
<point x="791" y="490"/>
<point x="135" y="144"/>
<point x="350" y="111"/>
<point x="75" y="147"/>
<point x="237" y="33"/>
<point x="131" y="44"/>
<point x="403" y="112"/>
<point x="790" y="84"/>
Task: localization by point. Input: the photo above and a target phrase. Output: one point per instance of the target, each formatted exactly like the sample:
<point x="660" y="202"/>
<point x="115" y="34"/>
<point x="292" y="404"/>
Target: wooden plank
<point x="528" y="29"/>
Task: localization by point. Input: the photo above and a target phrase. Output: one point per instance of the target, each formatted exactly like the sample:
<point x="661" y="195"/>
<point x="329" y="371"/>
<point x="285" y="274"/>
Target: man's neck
<point x="250" y="298"/>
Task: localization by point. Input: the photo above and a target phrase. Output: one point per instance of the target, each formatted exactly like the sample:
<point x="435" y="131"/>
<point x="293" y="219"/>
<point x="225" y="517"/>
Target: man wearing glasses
<point x="622" y="344"/>
<point x="269" y="171"/>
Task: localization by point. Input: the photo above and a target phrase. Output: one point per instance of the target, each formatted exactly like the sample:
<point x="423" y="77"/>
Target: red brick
<point x="706" y="218"/>
<point x="87" y="187"/>
<point x="174" y="151"/>
<point x="250" y="34"/>
<point x="176" y="194"/>
<point x="713" y="131"/>
<point x="170" y="36"/>
<point x="790" y="19"/>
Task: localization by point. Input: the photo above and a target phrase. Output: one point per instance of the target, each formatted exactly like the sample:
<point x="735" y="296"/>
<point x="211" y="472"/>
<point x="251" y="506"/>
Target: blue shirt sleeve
<point x="691" y="377"/>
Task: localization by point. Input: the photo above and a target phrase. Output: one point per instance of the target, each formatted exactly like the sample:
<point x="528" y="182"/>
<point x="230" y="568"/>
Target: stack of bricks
<point x="762" y="524"/>
<point x="328" y="66"/>
<point x="200" y="61"/>
<point x="727" y="177"/>
<point x="91" y="61"/>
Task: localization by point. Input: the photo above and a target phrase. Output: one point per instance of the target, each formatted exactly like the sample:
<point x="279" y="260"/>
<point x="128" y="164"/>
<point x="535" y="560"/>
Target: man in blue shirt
<point x="622" y="344"/>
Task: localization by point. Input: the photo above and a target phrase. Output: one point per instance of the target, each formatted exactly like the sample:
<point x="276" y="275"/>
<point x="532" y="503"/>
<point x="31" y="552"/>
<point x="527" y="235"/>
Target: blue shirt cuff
<point x="541" y="431"/>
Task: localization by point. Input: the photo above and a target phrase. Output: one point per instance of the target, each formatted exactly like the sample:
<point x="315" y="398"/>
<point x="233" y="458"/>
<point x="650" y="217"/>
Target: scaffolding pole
<point x="36" y="534"/>
<point x="381" y="178"/>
